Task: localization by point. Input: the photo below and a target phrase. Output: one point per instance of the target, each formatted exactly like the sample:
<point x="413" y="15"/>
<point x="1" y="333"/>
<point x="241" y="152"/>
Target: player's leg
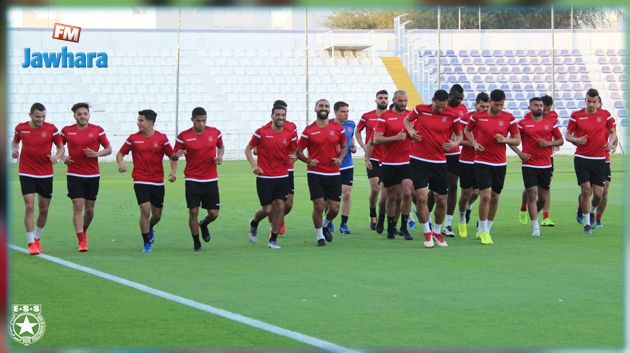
<point x="602" y="206"/>
<point x="211" y="202"/>
<point x="382" y="208"/>
<point x="532" y="208"/>
<point x="438" y="182"/>
<point x="346" y="198"/>
<point x="193" y="225"/>
<point x="29" y="223"/>
<point x="585" y="205"/>
<point x="78" y="205"/>
<point x="464" y="199"/>
<point x="406" y="190"/>
<point x="522" y="215"/>
<point x="332" y="195"/>
<point x="393" y="204"/>
<point x="277" y="219"/>
<point x="452" y="176"/>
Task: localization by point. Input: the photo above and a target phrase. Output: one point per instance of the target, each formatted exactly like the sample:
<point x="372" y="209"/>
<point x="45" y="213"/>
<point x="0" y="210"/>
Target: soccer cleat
<point x="547" y="222"/>
<point x="205" y="232"/>
<point x="578" y="216"/>
<point x="373" y="223"/>
<point x="448" y="232"/>
<point x="343" y="229"/>
<point x="428" y="240"/>
<point x="391" y="233"/>
<point x="273" y="245"/>
<point x="33" y="249"/>
<point x="321" y="242"/>
<point x="147" y="247"/>
<point x="598" y="224"/>
<point x="197" y="246"/>
<point x="439" y="239"/>
<point x="151" y="236"/>
<point x="253" y="232"/>
<point x="478" y="235"/>
<point x="327" y="234"/>
<point x="485" y="237"/>
<point x="331" y="227"/>
<point x="522" y="217"/>
<point x="39" y="245"/>
<point x="283" y="229"/>
<point x="412" y="223"/>
<point x="468" y="212"/>
<point x="588" y="229"/>
<point x="405" y="233"/>
<point x="83" y="245"/>
<point x="536" y="233"/>
<point x="462" y="230"/>
<point x="380" y="225"/>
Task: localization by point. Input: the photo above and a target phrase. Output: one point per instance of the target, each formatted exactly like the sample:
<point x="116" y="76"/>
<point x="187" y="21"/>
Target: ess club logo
<point x="66" y="58"/>
<point x="27" y="325"/>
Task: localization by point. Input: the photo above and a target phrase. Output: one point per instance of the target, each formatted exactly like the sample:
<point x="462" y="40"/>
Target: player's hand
<point x="90" y="153"/>
<point x="449" y="145"/>
<point x="53" y="159"/>
<point x="414" y="136"/>
<point x="500" y="138"/>
<point x="524" y="156"/>
<point x="254" y="151"/>
<point x="353" y="149"/>
<point x="218" y="160"/>
<point x="180" y="153"/>
<point x="292" y="158"/>
<point x="67" y="161"/>
<point x="478" y="147"/>
<point x="15" y="154"/>
<point x="312" y="162"/>
<point x="543" y="143"/>
<point x="610" y="147"/>
<point x="581" y="140"/>
<point x="336" y="161"/>
<point x="368" y="164"/>
<point x="257" y="171"/>
<point x="402" y="135"/>
<point x="555" y="149"/>
<point x="172" y="177"/>
<point x="122" y="168"/>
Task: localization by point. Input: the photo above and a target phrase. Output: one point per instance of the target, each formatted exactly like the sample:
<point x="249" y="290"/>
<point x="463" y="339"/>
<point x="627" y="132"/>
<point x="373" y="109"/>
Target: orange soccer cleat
<point x="33" y="249"/>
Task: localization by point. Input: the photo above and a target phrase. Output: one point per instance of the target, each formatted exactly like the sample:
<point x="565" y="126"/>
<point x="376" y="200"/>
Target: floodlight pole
<point x="177" y="50"/>
<point x="553" y="55"/>
<point x="306" y="61"/>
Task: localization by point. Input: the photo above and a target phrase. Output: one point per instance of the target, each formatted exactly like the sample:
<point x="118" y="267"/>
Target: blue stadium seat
<point x="518" y="88"/>
<point x="618" y="105"/>
<point x="470" y="70"/>
<point x="526" y="78"/>
<point x="474" y="53"/>
<point x="531" y="52"/>
<point x="572" y="69"/>
<point x="523" y="105"/>
<point x="618" y="69"/>
<point x="573" y="78"/>
<point x="559" y="104"/>
<point x="527" y="70"/>
<point x="511" y="61"/>
<point x="515" y="70"/>
<point x="566" y="96"/>
<point x="467" y="61"/>
<point x="478" y="61"/>
<point x="462" y="53"/>
<point x="528" y="87"/>
<point x="622" y="113"/>
<point x="519" y="53"/>
<point x="564" y="122"/>
<point x="467" y="87"/>
<point x="611" y="52"/>
<point x="492" y="86"/>
<point x="613" y="60"/>
<point x="613" y="86"/>
<point x="482" y="70"/>
<point x="579" y="60"/>
<point x="477" y="79"/>
<point x="523" y="61"/>
<point x="490" y="79"/>
<point x="497" y="53"/>
<point x="450" y="52"/>
<point x="505" y="87"/>
<point x="514" y="79"/>
<point x="571" y="105"/>
<point x="508" y="53"/>
<point x="545" y="61"/>
<point x="541" y="87"/>
<point x="610" y="78"/>
<point x="493" y="70"/>
<point x="582" y="70"/>
<point x="486" y="53"/>
<point x="539" y="70"/>
<point x="500" y="61"/>
<point x="599" y="52"/>
<point x="578" y="95"/>
<point x="458" y="70"/>
<point x="511" y="105"/>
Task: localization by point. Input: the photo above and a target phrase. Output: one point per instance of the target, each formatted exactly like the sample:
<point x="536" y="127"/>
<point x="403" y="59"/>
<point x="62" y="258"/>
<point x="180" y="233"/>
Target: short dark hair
<point x="592" y="93"/>
<point x="497" y="95"/>
<point x="456" y="88"/>
<point x="198" y="111"/>
<point x="339" y="105"/>
<point x="440" y="95"/>
<point x="383" y="91"/>
<point x="148" y="114"/>
<point x="535" y="99"/>
<point x="37" y="106"/>
<point x="547" y="100"/>
<point x="321" y="100"/>
<point x="280" y="103"/>
<point x="482" y="97"/>
<point x="80" y="105"/>
<point x="391" y="106"/>
<point x="280" y="106"/>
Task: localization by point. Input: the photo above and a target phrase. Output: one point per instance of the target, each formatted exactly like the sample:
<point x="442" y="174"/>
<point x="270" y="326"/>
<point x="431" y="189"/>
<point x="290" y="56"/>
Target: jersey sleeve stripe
<point x="178" y="140"/>
<point x="255" y="134"/>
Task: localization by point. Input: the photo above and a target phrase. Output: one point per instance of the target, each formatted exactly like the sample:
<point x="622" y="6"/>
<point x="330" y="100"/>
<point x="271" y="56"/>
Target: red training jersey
<point x="92" y="137"/>
<point x="435" y="129"/>
<point x="484" y="126"/>
<point x="147" y="154"/>
<point x="323" y="144"/>
<point x="468" y="153"/>
<point x="461" y="113"/>
<point x="36" y="147"/>
<point x="201" y="151"/>
<point x="596" y="128"/>
<point x="273" y="149"/>
<point x="532" y="131"/>
<point x="291" y="126"/>
<point x="369" y="121"/>
<point x="391" y="124"/>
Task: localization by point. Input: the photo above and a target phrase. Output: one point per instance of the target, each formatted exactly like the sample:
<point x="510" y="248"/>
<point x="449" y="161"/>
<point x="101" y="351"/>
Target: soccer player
<point x="592" y="130"/>
<point x="36" y="170"/>
<point x="539" y="135"/>
<point x="604" y="201"/>
<point x="83" y="140"/>
<point x="488" y="134"/>
<point x="326" y="144"/>
<point x="203" y="147"/>
<point x="347" y="167"/>
<point x="548" y="113"/>
<point x="467" y="180"/>
<point x="396" y="172"/>
<point x="148" y="148"/>
<point x="274" y="144"/>
<point x="434" y="129"/>
<point x="368" y="122"/>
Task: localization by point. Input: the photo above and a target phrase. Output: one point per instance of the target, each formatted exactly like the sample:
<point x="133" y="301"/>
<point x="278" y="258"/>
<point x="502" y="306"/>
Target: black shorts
<point x="376" y="171"/>
<point x="490" y="176"/>
<point x="540" y="177"/>
<point x="205" y="194"/>
<point x="452" y="164"/>
<point x="429" y="174"/>
<point x="291" y="182"/>
<point x="608" y="173"/>
<point x="149" y="193"/>
<point x="270" y="189"/>
<point x="82" y="188"/>
<point x="590" y="170"/>
<point x="467" y="177"/>
<point x="347" y="176"/>
<point x="395" y="174"/>
<point x="41" y="186"/>
<point x="326" y="186"/>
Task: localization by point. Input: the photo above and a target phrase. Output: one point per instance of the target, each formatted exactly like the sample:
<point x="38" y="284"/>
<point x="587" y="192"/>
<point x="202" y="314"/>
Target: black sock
<point x="274" y="237"/>
<point x="381" y="217"/>
<point x="404" y="219"/>
<point x="196" y="238"/>
<point x="372" y="211"/>
<point x="253" y="223"/>
<point x="344" y="219"/>
<point x="204" y="222"/>
<point x="145" y="238"/>
<point x="391" y="223"/>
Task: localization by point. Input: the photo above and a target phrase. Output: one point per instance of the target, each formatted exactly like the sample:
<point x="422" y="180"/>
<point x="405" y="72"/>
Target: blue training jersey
<point x="348" y="128"/>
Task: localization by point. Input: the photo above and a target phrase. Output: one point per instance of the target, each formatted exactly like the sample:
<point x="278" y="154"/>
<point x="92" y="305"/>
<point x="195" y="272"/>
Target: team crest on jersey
<point x="90" y="135"/>
<point x="155" y="145"/>
<point x="546" y="127"/>
<point x="285" y="141"/>
<point x="210" y="139"/>
<point x="331" y="133"/>
<point x="599" y="120"/>
<point x="44" y="133"/>
<point x="501" y="123"/>
<point x="444" y="119"/>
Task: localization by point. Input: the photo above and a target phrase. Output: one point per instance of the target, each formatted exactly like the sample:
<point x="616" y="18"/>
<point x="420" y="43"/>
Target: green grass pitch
<point x="563" y="290"/>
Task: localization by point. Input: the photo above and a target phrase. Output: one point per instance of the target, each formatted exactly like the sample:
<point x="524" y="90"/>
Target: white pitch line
<point x="311" y="341"/>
